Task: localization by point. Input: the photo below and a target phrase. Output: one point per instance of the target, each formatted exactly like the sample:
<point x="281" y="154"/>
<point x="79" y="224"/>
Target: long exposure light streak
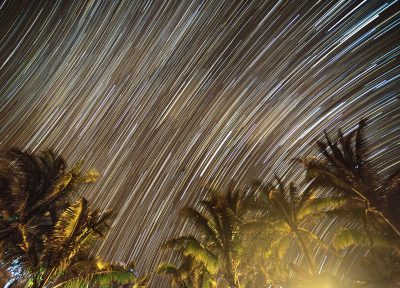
<point x="163" y="97"/>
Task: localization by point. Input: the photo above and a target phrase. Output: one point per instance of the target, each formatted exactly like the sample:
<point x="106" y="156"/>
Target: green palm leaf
<point x="207" y="226"/>
<point x="101" y="278"/>
<point x="345" y="238"/>
<point x="61" y="246"/>
<point x="317" y="205"/>
<point x="280" y="227"/>
<point x="167" y="268"/>
<point x="283" y="246"/>
<point x="190" y="246"/>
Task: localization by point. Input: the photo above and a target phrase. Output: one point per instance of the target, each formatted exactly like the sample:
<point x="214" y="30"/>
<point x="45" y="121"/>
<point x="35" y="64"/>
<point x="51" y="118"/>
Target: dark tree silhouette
<point x="344" y="166"/>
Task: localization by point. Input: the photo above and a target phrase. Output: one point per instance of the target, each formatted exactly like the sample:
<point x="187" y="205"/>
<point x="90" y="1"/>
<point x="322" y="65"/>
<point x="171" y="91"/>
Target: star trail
<point x="163" y="97"/>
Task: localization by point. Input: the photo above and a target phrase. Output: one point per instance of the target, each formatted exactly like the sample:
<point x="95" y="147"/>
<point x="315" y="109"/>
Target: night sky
<point x="164" y="97"/>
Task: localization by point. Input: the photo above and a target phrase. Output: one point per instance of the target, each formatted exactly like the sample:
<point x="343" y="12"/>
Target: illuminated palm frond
<point x="95" y="272"/>
<point x="287" y="211"/>
<point x="190" y="273"/>
<point x="190" y="246"/>
<point x="345" y="238"/>
<point x="219" y="221"/>
<point x="36" y="190"/>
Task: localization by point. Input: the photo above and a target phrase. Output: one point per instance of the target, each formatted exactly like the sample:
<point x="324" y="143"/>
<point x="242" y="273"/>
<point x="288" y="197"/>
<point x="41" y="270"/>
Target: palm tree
<point x="189" y="274"/>
<point x="74" y="233"/>
<point x="344" y="166"/>
<point x="285" y="215"/>
<point x="42" y="235"/>
<point x="56" y="250"/>
<point x="34" y="188"/>
<point x="372" y="203"/>
<point x="220" y="242"/>
<point x="36" y="184"/>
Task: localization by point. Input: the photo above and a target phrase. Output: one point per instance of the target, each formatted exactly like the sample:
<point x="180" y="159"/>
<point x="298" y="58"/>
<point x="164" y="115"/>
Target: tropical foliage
<point x="278" y="220"/>
<point x="344" y="166"/>
<point x="95" y="272"/>
<point x="190" y="273"/>
<point x="269" y="234"/>
<point x="372" y="203"/>
<point x="45" y="228"/>
<point x="287" y="211"/>
<point x="220" y="243"/>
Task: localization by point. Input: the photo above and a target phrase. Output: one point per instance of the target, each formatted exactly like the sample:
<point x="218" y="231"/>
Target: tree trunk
<point x="230" y="275"/>
<point x="306" y="252"/>
<point x="376" y="206"/>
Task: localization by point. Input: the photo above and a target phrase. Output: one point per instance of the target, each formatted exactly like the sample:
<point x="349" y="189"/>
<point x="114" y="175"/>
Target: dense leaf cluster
<point x="273" y="234"/>
<point x="253" y="237"/>
<point x="46" y="230"/>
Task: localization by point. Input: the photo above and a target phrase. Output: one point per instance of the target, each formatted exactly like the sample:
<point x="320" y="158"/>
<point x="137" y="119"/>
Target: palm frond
<point x="167" y="268"/>
<point x="202" y="255"/>
<point x="345" y="238"/>
<point x="280" y="226"/>
<point x="90" y="176"/>
<point x="101" y="278"/>
<point x="304" y="197"/>
<point x="317" y="205"/>
<point x="60" y="248"/>
<point x="207" y="226"/>
<point x="76" y="229"/>
<point x="283" y="246"/>
<point x="212" y="211"/>
<point x="190" y="246"/>
<point x="326" y="178"/>
<point x="281" y="208"/>
<point x="55" y="193"/>
<point x="254" y="227"/>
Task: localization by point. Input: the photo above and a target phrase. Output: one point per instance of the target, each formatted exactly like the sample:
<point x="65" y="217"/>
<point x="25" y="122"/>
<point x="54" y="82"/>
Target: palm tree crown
<point x="220" y="243"/>
<point x="344" y="166"/>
